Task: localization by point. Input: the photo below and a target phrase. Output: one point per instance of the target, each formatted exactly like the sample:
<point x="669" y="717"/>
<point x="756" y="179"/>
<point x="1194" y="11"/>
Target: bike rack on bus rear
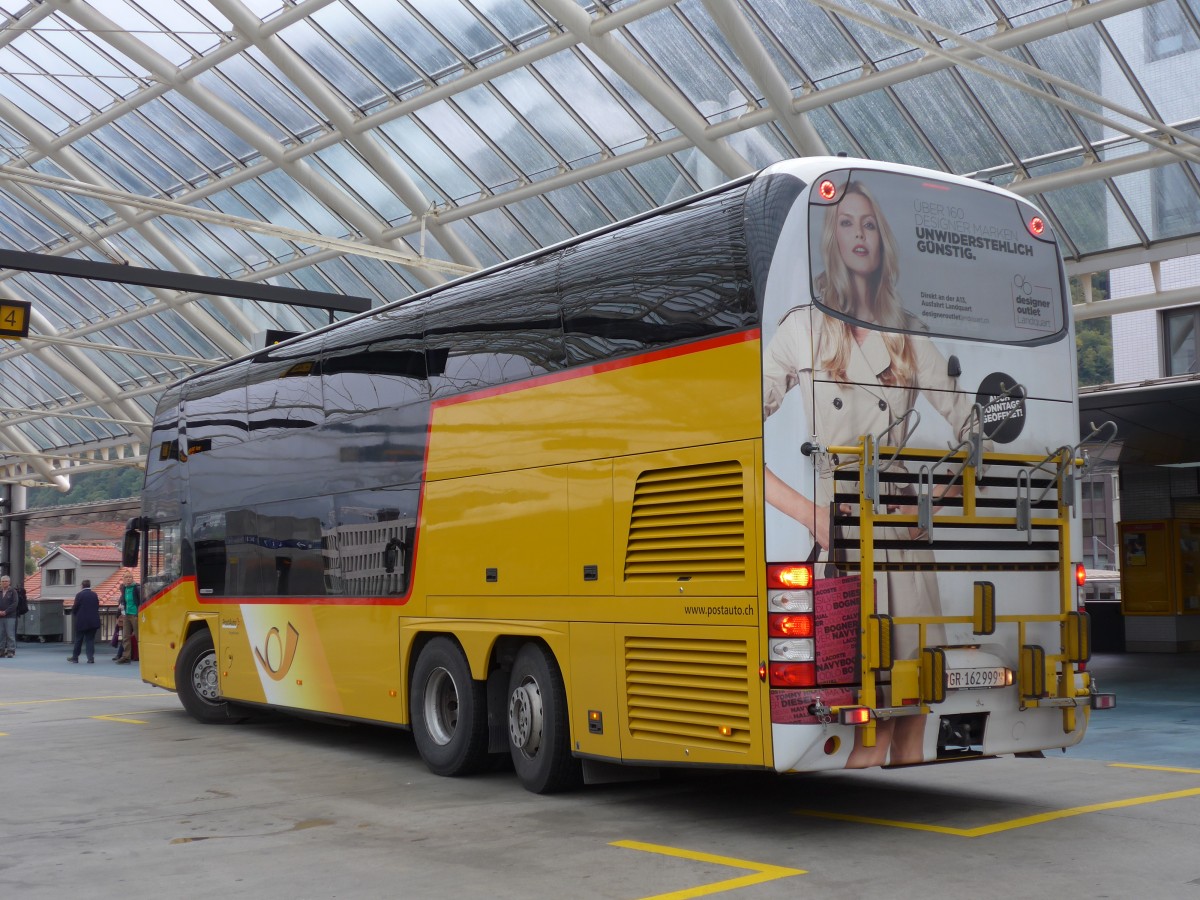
<point x="1044" y="679"/>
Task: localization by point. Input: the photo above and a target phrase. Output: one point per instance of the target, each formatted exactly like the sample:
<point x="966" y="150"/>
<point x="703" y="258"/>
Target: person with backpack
<point x="86" y="611"/>
<point x="128" y="602"/>
<point x="10" y="600"/>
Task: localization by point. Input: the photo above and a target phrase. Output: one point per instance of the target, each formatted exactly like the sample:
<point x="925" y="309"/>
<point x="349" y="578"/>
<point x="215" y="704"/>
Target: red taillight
<point x="1080" y="574"/>
<point x="800" y="625"/>
<point x="801" y="674"/>
<point x="827" y="190"/>
<point x="1036" y="226"/>
<point x="789" y="576"/>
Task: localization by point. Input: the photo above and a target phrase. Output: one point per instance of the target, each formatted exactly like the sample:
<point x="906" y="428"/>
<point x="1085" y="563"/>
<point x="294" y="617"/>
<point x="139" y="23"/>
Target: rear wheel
<point x="197" y="683"/>
<point x="538" y="732"/>
<point x="449" y="711"/>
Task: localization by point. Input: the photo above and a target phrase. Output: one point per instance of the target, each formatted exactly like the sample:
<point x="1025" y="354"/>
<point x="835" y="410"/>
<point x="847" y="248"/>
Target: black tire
<point x="539" y="736"/>
<point x="448" y="709"/>
<point x="197" y="682"/>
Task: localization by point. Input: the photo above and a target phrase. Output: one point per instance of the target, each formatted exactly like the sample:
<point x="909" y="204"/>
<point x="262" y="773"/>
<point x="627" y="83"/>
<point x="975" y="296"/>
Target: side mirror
<point x="132" y="543"/>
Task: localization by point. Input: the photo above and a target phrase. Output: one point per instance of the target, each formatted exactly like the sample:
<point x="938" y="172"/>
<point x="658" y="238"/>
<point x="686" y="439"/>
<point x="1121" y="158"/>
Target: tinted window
<point x="375" y="364"/>
<point x="164" y="475"/>
<point x="215" y="407"/>
<point x="676" y="276"/>
<point x="274" y="551"/>
<point x="283" y="390"/>
<point x="214" y="558"/>
<point x="497" y="330"/>
<point x="289" y="547"/>
<point x="369" y="548"/>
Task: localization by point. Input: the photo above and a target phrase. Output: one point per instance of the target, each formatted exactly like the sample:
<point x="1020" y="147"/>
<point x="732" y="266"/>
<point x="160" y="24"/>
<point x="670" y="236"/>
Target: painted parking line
<point x="1155" y="768"/>
<point x="1010" y="824"/>
<point x="114" y="717"/>
<point x="78" y="699"/>
<point x="763" y="872"/>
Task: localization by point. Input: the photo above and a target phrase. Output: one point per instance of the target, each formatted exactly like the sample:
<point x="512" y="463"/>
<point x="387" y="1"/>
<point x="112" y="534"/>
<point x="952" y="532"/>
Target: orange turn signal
<point x="854" y="715"/>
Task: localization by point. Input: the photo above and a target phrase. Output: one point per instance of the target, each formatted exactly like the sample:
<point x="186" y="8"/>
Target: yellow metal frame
<point x="1060" y="668"/>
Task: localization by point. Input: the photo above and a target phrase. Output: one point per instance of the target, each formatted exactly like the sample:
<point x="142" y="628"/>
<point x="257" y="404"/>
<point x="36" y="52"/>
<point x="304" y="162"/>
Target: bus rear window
<point x="915" y="254"/>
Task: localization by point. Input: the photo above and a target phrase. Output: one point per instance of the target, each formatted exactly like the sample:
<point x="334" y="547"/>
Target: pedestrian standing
<point x="9" y="599"/>
<point x="128" y="602"/>
<point x="86" y="611"/>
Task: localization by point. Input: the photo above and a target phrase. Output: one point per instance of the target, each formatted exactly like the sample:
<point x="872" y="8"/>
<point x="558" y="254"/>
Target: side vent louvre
<point x="688" y="522"/>
<point x="685" y="690"/>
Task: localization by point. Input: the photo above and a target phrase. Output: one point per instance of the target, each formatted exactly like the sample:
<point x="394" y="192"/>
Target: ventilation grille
<point x="685" y="690"/>
<point x="688" y="522"/>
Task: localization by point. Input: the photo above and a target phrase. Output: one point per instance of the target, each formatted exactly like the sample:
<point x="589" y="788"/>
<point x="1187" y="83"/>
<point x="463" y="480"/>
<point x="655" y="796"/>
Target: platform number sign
<point x="14" y="319"/>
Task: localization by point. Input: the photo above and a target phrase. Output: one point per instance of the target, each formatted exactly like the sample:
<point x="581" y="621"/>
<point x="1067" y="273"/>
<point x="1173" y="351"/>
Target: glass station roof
<point x="376" y="147"/>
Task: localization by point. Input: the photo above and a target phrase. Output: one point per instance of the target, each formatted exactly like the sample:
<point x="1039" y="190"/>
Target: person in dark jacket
<point x="9" y="598"/>
<point x="87" y="622"/>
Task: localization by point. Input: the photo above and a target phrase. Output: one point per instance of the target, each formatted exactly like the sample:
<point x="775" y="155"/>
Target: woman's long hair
<point x="883" y="306"/>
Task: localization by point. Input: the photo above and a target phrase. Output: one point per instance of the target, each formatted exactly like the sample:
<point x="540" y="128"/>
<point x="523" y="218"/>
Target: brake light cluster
<point x="790" y="625"/>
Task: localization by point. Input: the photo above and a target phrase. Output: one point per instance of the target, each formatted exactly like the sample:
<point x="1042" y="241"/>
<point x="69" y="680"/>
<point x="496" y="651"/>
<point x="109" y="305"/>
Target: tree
<point x="90" y="487"/>
<point x="1093" y="337"/>
<point x="1093" y="351"/>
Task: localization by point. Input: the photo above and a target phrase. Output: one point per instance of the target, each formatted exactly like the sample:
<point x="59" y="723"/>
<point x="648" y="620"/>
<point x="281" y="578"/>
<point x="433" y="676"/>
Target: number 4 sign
<point x="14" y="319"/>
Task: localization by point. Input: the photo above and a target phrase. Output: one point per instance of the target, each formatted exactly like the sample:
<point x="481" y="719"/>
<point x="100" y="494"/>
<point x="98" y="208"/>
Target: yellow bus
<point x="778" y="477"/>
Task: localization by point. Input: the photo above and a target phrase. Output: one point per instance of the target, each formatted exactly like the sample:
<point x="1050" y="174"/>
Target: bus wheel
<point x="196" y="680"/>
<point x="449" y="711"/>
<point x="538" y="733"/>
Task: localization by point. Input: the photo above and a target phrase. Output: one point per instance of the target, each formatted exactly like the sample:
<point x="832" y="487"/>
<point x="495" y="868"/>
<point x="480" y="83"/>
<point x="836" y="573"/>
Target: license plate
<point x="971" y="679"/>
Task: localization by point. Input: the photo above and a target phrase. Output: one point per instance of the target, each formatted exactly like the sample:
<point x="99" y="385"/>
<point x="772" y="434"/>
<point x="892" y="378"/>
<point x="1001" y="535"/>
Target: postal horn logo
<point x="277" y="652"/>
<point x="1003" y="404"/>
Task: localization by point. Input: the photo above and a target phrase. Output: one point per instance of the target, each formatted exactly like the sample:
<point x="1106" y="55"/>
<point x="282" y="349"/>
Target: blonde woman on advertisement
<point x="859" y="379"/>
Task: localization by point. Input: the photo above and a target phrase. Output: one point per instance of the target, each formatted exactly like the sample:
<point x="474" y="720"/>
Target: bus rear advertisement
<point x="777" y="477"/>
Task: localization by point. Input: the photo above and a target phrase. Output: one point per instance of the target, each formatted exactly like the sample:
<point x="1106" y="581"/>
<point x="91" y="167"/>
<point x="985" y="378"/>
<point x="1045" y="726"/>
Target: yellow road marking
<point x="1155" y="768"/>
<point x="75" y="699"/>
<point x="116" y="718"/>
<point x="762" y="871"/>
<point x="1009" y="825"/>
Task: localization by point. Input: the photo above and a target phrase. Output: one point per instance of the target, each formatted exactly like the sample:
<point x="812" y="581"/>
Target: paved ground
<point x="108" y="789"/>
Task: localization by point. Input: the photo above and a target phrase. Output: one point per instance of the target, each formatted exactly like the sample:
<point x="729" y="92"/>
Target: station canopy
<point x="373" y="148"/>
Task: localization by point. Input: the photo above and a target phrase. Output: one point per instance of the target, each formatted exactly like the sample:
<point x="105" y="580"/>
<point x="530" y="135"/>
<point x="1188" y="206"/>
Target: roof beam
<point x="310" y="176"/>
<point x="69" y="160"/>
<point x="664" y="97"/>
<point x="335" y="110"/>
<point x="733" y="25"/>
<point x="159" y="206"/>
<point x="981" y="49"/>
<point x="1158" y="300"/>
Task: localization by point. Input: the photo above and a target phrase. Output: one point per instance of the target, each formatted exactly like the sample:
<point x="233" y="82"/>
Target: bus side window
<point x="163" y="557"/>
<point x="691" y="275"/>
<point x="368" y="551"/>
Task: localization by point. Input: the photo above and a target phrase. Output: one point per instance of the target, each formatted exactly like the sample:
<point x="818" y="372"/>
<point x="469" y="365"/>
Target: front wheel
<point x="448" y="710"/>
<point x="196" y="681"/>
<point x="539" y="737"/>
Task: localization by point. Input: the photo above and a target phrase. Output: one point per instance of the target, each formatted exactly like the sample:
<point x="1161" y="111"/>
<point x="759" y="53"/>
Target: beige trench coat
<point x="841" y="413"/>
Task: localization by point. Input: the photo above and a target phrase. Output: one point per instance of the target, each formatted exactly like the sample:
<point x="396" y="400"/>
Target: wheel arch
<point x="192" y="623"/>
